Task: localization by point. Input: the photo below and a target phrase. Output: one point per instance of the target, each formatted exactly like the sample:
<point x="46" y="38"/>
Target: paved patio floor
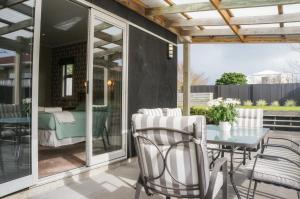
<point x="119" y="183"/>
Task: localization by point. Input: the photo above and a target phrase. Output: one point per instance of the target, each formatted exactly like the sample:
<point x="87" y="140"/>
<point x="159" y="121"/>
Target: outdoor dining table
<point x="236" y="138"/>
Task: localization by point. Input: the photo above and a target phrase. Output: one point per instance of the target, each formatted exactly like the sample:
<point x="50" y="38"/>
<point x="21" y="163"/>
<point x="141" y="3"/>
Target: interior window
<point x="67" y="83"/>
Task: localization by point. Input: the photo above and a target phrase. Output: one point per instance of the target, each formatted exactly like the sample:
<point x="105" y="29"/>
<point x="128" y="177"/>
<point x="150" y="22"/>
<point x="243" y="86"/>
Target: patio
<point x="118" y="181"/>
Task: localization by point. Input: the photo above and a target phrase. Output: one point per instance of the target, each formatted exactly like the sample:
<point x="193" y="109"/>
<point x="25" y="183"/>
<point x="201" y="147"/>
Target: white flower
<point x="26" y="101"/>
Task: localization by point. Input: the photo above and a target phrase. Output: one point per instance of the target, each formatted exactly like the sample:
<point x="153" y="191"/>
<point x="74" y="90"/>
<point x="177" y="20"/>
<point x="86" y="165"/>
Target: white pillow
<point x="53" y="109"/>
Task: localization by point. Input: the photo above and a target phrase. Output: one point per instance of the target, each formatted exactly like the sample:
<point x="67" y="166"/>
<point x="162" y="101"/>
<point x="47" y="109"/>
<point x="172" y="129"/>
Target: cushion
<point x="278" y="172"/>
<point x="250" y="118"/>
<point x="282" y="152"/>
<point x="172" y="112"/>
<point x="153" y="112"/>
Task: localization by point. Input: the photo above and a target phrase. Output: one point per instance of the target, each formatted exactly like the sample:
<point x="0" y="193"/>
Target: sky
<point x="215" y="59"/>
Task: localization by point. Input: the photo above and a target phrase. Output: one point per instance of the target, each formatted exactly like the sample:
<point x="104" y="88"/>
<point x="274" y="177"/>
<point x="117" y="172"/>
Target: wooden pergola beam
<point x="243" y="31"/>
<point x="24" y="9"/>
<point x="206" y="6"/>
<point x="12" y="45"/>
<point x="248" y="39"/>
<point x="110" y="51"/>
<point x="9" y="3"/>
<point x="283" y="18"/>
<point x="226" y="15"/>
<point x="17" y="26"/>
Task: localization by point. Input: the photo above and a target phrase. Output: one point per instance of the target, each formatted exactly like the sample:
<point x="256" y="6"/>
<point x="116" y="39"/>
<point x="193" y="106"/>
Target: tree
<point x="196" y="78"/>
<point x="232" y="79"/>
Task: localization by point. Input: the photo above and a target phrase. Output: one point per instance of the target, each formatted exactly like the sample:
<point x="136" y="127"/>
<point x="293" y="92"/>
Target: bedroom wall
<point x="44" y="77"/>
<point x="78" y="51"/>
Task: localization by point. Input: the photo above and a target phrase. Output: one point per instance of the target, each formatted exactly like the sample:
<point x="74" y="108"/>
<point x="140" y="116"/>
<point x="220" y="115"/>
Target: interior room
<point x="63" y="87"/>
<point x="62" y="73"/>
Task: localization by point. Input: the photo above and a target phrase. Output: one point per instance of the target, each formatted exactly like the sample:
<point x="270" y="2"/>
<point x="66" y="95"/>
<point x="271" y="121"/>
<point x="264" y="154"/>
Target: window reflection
<point x="107" y="87"/>
<point x="16" y="32"/>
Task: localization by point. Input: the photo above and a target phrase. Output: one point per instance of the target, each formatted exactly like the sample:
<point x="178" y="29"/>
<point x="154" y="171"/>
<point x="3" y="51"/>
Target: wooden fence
<point x="254" y="92"/>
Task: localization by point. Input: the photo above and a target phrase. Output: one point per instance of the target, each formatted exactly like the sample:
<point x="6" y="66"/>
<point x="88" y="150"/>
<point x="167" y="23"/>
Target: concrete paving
<point x="119" y="183"/>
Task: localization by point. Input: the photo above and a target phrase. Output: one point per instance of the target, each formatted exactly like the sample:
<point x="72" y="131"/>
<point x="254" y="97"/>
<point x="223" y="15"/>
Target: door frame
<point x="27" y="181"/>
<point x="119" y="154"/>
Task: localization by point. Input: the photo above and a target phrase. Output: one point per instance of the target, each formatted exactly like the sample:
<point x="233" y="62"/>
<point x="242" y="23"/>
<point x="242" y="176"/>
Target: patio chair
<point x="273" y="169"/>
<point x="249" y="118"/>
<point x="173" y="159"/>
<point x="283" y="147"/>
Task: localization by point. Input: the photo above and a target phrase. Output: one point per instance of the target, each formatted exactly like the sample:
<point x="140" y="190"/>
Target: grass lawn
<point x="269" y="108"/>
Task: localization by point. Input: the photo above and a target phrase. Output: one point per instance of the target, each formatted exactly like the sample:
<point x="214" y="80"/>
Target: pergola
<point x="217" y="21"/>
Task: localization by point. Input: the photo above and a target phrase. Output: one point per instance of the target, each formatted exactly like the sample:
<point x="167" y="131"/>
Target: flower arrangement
<point x="223" y="112"/>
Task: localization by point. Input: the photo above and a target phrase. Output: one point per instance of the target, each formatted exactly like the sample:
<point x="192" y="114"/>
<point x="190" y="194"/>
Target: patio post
<point x="186" y="78"/>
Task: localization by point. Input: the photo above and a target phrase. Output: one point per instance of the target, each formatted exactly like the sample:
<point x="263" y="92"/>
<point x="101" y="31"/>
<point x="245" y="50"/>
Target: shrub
<point x="232" y="79"/>
<point x="290" y="103"/>
<point x="261" y="102"/>
<point x="275" y="103"/>
<point x="248" y="103"/>
<point x="198" y="110"/>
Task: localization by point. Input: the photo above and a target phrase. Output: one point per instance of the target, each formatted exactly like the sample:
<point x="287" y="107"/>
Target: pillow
<point x="172" y="112"/>
<point x="153" y="112"/>
<point x="53" y="109"/>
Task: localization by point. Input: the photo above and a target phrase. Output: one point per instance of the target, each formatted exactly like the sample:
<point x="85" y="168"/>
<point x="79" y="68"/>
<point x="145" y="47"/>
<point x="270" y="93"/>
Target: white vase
<point x="225" y="126"/>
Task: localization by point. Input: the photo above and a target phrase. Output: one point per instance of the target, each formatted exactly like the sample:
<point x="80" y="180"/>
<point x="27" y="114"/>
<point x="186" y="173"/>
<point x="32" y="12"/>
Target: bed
<point x="53" y="133"/>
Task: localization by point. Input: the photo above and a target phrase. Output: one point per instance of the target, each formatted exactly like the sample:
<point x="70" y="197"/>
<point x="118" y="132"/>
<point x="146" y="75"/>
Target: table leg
<point x="231" y="174"/>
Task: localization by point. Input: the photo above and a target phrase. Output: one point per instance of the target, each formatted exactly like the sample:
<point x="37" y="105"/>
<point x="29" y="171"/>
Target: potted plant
<point x="223" y="112"/>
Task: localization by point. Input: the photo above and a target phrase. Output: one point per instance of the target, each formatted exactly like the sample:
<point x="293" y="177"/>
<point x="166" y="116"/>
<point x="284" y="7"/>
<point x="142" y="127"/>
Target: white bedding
<point x="48" y="138"/>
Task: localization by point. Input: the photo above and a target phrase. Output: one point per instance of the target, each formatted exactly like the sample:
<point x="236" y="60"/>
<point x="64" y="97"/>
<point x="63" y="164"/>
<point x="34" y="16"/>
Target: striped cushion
<point x="276" y="172"/>
<point x="250" y="118"/>
<point x="172" y="112"/>
<point x="282" y="152"/>
<point x="153" y="112"/>
<point x="181" y="160"/>
<point x="10" y="111"/>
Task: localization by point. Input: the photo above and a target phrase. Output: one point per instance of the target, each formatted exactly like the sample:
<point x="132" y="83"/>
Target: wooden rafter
<point x="269" y="19"/>
<point x="206" y="6"/>
<point x="244" y="32"/>
<point x="15" y="27"/>
<point x="107" y="52"/>
<point x="9" y="3"/>
<point x="226" y="15"/>
<point x="249" y="39"/>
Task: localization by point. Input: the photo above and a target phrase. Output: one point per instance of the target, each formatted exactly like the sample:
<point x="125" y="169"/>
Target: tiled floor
<point x="119" y="183"/>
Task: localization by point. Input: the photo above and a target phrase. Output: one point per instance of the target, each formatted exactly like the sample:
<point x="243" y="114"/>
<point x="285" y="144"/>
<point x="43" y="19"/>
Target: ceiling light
<point x="66" y="25"/>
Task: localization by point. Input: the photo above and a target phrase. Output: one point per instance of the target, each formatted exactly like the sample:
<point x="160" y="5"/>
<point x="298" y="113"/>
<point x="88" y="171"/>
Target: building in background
<point x="271" y="77"/>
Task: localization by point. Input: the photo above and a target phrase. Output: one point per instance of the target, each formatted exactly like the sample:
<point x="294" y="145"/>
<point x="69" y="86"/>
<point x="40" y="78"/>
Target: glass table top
<point x="238" y="136"/>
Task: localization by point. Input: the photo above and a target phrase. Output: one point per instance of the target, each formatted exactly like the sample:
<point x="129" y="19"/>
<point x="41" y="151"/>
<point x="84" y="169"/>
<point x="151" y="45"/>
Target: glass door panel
<point x="16" y="52"/>
<point x="107" y="88"/>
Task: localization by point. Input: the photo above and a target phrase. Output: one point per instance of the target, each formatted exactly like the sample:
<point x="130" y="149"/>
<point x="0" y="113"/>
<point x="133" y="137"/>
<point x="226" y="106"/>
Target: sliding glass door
<point x="16" y="72"/>
<point x="107" y="88"/>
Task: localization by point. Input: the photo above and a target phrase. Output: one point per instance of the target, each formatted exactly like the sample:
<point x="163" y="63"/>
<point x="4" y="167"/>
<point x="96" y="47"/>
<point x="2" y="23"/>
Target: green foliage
<point x="232" y="79"/>
<point x="222" y="113"/>
<point x="261" y="102"/>
<point x="290" y="103"/>
<point x="199" y="110"/>
<point x="248" y="103"/>
<point x="275" y="103"/>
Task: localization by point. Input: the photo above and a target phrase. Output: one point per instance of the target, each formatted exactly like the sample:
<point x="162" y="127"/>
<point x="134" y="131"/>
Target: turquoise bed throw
<point x="47" y="121"/>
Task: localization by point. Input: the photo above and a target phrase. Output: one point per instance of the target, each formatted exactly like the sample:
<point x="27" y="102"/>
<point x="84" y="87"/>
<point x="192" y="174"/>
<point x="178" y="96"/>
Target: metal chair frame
<point x="145" y="181"/>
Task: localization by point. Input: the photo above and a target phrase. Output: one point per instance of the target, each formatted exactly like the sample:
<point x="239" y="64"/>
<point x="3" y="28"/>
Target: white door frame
<point x="119" y="154"/>
<point x="27" y="181"/>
